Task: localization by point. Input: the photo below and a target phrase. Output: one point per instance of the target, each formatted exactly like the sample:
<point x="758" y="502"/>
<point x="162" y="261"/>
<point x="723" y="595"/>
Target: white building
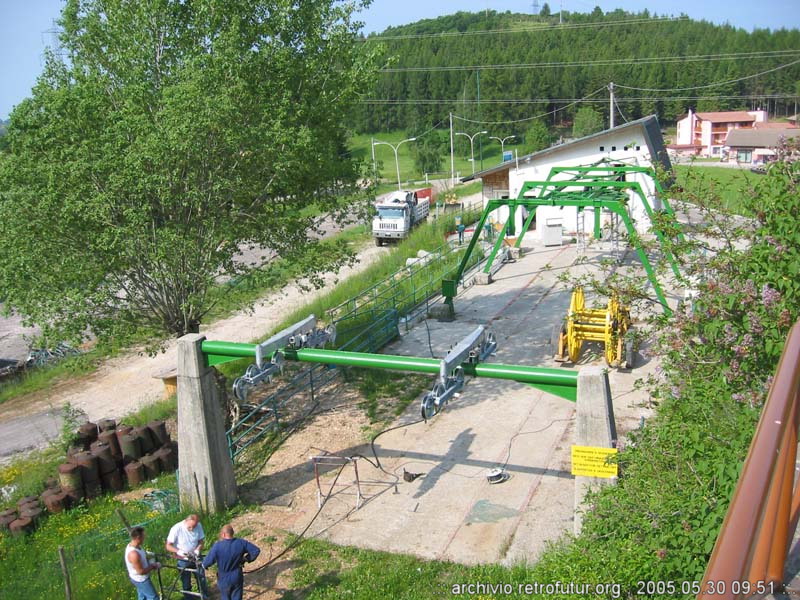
<point x="638" y="143"/>
<point x="704" y="133"/>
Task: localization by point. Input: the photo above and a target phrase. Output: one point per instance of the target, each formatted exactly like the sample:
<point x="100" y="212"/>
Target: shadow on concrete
<point x="459" y="449"/>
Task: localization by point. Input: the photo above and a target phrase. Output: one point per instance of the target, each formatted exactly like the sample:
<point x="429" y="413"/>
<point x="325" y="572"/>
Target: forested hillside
<point x="635" y="50"/>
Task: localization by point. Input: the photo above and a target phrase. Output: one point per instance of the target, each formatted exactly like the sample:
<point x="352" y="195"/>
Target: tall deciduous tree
<point x="587" y="121"/>
<point x="173" y="135"/>
<point x="428" y="153"/>
<point x="537" y="137"/>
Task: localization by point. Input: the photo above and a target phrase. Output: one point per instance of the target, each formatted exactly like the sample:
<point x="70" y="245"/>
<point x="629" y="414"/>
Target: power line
<point x="412" y="101"/>
<point x="616" y="104"/>
<point x="710" y="85"/>
<point x="538" y="28"/>
<point x="552" y="112"/>
<point x="602" y="62"/>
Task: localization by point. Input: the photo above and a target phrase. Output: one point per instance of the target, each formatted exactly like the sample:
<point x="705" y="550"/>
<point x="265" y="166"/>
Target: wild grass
<point x="94" y="539"/>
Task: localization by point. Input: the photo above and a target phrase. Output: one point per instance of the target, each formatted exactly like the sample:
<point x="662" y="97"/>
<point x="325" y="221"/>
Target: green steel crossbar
<point x="555" y="381"/>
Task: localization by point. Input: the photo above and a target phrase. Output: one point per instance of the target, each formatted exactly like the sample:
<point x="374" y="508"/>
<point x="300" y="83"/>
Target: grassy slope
<point x="731" y="184"/>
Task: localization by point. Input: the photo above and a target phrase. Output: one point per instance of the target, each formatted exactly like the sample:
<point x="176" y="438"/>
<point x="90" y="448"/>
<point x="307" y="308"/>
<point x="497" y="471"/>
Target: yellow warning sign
<point x="591" y="461"/>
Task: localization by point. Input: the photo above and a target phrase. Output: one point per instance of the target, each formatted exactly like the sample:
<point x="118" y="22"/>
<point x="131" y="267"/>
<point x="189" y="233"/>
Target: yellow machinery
<point x="609" y="326"/>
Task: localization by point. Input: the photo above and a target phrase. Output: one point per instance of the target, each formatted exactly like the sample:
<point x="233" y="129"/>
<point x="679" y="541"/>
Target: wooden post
<point x="65" y="572"/>
<point x="124" y="520"/>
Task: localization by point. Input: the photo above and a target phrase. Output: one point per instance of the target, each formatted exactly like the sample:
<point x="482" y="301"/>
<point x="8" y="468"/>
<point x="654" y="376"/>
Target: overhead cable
<point x="552" y="112"/>
<point x="710" y="85"/>
<point x="604" y="62"/>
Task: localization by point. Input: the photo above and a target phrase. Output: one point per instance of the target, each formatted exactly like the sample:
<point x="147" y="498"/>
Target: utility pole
<point x="480" y="141"/>
<point x="560" y="10"/>
<point x="611" y="105"/>
<point x="374" y="164"/>
<point x="452" y="155"/>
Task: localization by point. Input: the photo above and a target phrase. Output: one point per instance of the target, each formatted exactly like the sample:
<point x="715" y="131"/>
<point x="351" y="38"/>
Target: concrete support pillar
<point x="206" y="482"/>
<point x="594" y="426"/>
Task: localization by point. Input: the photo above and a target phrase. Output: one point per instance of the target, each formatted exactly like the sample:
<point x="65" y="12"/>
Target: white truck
<point x="398" y="213"/>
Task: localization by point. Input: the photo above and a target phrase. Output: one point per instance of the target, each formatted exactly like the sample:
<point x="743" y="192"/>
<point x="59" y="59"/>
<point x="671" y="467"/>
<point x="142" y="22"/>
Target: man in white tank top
<point x="138" y="566"/>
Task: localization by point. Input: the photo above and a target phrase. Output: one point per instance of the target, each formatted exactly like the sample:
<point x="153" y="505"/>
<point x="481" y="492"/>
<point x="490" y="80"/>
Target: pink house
<point x="704" y="133"/>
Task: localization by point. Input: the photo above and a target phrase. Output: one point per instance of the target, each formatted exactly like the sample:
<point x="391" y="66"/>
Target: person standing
<point x="139" y="568"/>
<point x="230" y="553"/>
<point x="186" y="540"/>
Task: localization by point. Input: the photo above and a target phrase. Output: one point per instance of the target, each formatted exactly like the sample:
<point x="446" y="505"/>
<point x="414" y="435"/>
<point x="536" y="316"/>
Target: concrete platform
<point x="453" y="512"/>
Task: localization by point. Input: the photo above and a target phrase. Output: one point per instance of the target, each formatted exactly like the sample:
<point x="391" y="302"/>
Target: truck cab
<point x="397" y="214"/>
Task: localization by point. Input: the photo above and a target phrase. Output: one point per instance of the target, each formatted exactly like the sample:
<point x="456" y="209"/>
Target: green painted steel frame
<point x="603" y="192"/>
<point x="555" y="381"/>
<point x="601" y="185"/>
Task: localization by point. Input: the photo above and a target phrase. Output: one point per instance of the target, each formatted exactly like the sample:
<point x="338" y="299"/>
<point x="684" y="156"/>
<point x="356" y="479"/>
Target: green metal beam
<point x="556" y="381"/>
<point x="600" y="170"/>
<point x="500" y="239"/>
<point x="218" y="353"/>
<point x="449" y="286"/>
<point x="525" y="227"/>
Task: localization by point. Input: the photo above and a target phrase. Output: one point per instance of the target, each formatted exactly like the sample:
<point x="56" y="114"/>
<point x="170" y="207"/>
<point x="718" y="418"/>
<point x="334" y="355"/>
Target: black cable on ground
<point x="430" y="346"/>
<point x="300" y="536"/>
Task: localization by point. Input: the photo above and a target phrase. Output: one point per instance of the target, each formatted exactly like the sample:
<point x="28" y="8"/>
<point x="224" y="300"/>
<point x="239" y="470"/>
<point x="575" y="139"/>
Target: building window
<point x="613" y="148"/>
<point x="715" y="150"/>
<point x="602" y="148"/>
<point x="744" y="156"/>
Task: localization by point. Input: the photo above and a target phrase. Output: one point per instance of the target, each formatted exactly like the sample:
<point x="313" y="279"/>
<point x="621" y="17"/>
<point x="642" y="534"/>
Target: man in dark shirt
<point x="230" y="554"/>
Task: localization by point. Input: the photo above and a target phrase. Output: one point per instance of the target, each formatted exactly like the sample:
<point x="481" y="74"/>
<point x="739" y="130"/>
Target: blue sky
<point x="23" y="24"/>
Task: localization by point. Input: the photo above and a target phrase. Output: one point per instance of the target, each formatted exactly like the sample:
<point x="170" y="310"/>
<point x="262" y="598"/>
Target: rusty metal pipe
<point x="737" y="548"/>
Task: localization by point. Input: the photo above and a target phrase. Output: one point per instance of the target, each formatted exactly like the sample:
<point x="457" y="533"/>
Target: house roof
<point x="652" y="136"/>
<point x="759" y="138"/>
<point x="775" y="125"/>
<point x="731" y="116"/>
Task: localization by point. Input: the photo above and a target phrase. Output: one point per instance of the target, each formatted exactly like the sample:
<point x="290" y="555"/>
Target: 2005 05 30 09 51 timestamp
<point x="711" y="588"/>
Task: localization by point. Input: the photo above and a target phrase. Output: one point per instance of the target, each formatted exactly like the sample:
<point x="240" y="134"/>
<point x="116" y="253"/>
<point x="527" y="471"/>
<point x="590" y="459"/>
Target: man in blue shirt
<point x="230" y="554"/>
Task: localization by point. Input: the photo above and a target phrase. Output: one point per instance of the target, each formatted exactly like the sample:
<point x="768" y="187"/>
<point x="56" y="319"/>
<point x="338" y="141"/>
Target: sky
<point x="24" y="23"/>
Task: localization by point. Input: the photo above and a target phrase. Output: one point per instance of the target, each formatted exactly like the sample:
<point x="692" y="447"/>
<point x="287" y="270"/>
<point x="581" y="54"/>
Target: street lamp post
<point x="472" y="145"/>
<point x="396" y="159"/>
<point x="502" y="144"/>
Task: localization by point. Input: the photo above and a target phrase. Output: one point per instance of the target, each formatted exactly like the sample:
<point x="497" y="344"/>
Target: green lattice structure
<point x="604" y="187"/>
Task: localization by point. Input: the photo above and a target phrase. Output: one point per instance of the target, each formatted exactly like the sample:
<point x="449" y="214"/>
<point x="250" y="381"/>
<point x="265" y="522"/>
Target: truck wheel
<point x="378" y="242"/>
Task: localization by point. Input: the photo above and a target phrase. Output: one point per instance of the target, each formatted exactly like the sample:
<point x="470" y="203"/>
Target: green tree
<point x="545" y="10"/>
<point x="587" y="121"/>
<point x="537" y="137"/>
<point x="428" y="153"/>
<point x="173" y="136"/>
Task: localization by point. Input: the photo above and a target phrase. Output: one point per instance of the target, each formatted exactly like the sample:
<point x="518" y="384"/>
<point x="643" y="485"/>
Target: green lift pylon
<point x="603" y="186"/>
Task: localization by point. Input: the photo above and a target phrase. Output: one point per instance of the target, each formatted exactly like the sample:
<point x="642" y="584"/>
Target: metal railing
<point x="265" y="416"/>
<point x="750" y="554"/>
<point x="408" y="290"/>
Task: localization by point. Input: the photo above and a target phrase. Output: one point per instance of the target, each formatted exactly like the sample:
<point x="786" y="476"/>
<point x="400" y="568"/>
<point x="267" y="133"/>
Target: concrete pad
<point x="453" y="512"/>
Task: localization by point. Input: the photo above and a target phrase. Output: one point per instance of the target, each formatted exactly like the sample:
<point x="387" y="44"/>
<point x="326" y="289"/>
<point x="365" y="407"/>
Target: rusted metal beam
<point x="751" y="550"/>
